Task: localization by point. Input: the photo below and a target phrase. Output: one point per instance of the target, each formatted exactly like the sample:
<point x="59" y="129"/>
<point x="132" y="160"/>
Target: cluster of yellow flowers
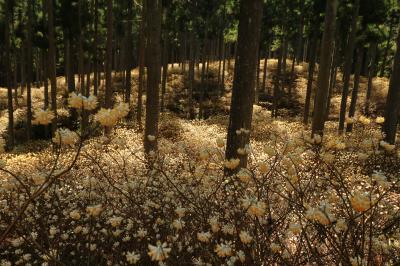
<point x="43" y="117"/>
<point x="64" y="136"/>
<point x="360" y="201"/>
<point x="78" y="101"/>
<point x="159" y="252"/>
<point x="109" y="117"/>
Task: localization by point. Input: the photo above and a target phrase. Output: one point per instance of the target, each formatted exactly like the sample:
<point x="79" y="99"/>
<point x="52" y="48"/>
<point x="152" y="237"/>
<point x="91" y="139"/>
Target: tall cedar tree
<point x="109" y="49"/>
<point x="348" y="64"/>
<point x="325" y="62"/>
<point x="244" y="80"/>
<point x="52" y="61"/>
<point x="153" y="54"/>
<point x="8" y="76"/>
<point x="393" y="100"/>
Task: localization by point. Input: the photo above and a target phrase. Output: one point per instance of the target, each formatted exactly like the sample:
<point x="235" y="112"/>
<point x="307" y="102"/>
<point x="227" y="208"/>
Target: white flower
<point x="245" y="237"/>
<point x="223" y="250"/>
<point x="43" y="117"/>
<point x="75" y="215"/>
<point x="204" y="237"/>
<point x="115" y="221"/>
<point x="64" y="136"/>
<point x="160" y="252"/>
<point x="178" y="224"/>
<point x="132" y="257"/>
<point x="94" y="210"/>
<point x="180" y="211"/>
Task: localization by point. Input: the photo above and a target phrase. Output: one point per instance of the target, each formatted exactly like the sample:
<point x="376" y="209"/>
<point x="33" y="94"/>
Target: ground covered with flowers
<point x="99" y="200"/>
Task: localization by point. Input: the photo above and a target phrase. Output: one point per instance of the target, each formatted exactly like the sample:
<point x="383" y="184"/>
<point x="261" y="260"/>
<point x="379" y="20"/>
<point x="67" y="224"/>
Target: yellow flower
<point x="360" y="201"/>
<point x="204" y="237"/>
<point x="245" y="237"/>
<point x="43" y="117"/>
<point x="160" y="252"/>
<point x="380" y="120"/>
<point x="232" y="163"/>
<point x="223" y="250"/>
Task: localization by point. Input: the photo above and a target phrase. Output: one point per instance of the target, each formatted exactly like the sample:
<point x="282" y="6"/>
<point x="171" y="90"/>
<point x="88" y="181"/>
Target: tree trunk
<point x="154" y="74"/>
<point x="387" y="48"/>
<point x="191" y="113"/>
<point x="371" y="74"/>
<point x="95" y="41"/>
<point x="244" y="80"/>
<point x="311" y="67"/>
<point x="129" y="55"/>
<point x="52" y="63"/>
<point x="81" y="68"/>
<point x="11" y="137"/>
<point x="264" y="82"/>
<point x="324" y="68"/>
<point x="29" y="71"/>
<point x="142" y="44"/>
<point x="109" y="57"/>
<point x="165" y="66"/>
<point x="354" y="94"/>
<point x="347" y="65"/>
<point x="393" y="100"/>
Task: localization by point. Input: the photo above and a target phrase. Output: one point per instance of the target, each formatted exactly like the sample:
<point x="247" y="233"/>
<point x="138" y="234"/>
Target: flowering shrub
<point x="301" y="201"/>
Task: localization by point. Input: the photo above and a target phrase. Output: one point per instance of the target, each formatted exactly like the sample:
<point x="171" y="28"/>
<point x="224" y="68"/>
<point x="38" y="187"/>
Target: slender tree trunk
<point x="10" y="107"/>
<point x="29" y="71"/>
<point x="354" y="94"/>
<point x="154" y="74"/>
<point x="332" y="80"/>
<point x="386" y="50"/>
<point x="311" y="67"/>
<point x="95" y="52"/>
<point x="324" y="68"/>
<point x="223" y="70"/>
<point x="46" y="80"/>
<point x="81" y="69"/>
<point x="244" y="80"/>
<point x="108" y="102"/>
<point x="257" y="92"/>
<point x="142" y="43"/>
<point x="277" y="88"/>
<point x="264" y="82"/>
<point x="347" y="65"/>
<point x="52" y="62"/>
<point x="393" y="100"/>
<point x="129" y="55"/>
<point x="191" y="113"/>
<point x="371" y="74"/>
<point x="165" y="66"/>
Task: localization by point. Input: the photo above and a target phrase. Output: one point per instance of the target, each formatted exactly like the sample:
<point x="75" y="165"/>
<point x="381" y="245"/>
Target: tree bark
<point x="371" y="74"/>
<point x="311" y="67"/>
<point x="191" y="113"/>
<point x="348" y="64"/>
<point x="29" y="71"/>
<point x="52" y="63"/>
<point x="11" y="137"/>
<point x="95" y="52"/>
<point x="354" y="94"/>
<point x="129" y="55"/>
<point x="142" y="47"/>
<point x="324" y="68"/>
<point x="109" y="56"/>
<point x="393" y="100"/>
<point x="244" y="80"/>
<point x="154" y="74"/>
